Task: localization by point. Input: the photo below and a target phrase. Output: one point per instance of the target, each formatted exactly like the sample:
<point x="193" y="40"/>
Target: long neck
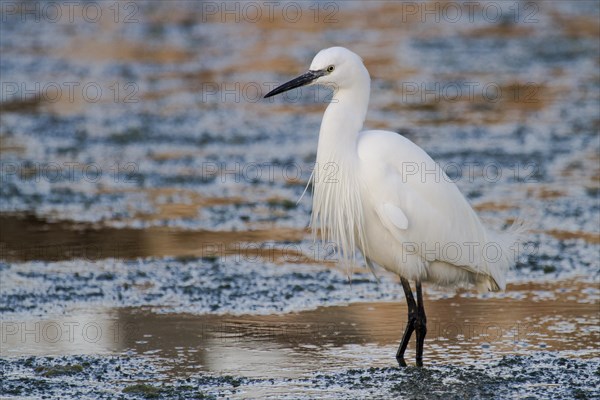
<point x="343" y="120"/>
<point x="337" y="205"/>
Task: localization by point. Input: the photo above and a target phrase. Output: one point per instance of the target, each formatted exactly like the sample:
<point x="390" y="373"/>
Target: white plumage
<point x="378" y="192"/>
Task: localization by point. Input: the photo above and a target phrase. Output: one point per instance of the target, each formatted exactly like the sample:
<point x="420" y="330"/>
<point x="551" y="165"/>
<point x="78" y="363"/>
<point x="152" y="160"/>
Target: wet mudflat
<point x="541" y="340"/>
<point x="152" y="246"/>
<point x="203" y="327"/>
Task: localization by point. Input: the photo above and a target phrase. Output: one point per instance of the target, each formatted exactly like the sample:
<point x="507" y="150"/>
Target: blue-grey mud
<point x="151" y="240"/>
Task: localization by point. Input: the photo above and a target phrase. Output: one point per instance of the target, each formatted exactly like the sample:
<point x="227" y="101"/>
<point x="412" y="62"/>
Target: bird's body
<point x="378" y="192"/>
<point x="417" y="226"/>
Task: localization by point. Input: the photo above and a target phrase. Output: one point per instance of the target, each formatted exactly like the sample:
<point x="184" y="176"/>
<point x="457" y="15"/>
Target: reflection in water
<point x="79" y="333"/>
<point x="461" y="330"/>
<point x="26" y="238"/>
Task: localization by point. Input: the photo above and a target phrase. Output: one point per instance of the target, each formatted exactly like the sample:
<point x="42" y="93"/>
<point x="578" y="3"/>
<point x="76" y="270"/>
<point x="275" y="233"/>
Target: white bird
<point x="378" y="192"/>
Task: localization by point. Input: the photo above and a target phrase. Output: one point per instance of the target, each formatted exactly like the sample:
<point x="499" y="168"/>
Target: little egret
<point x="380" y="193"/>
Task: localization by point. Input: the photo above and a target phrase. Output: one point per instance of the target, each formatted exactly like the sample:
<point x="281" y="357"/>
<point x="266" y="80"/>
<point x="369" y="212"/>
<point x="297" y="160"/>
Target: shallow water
<point x="281" y="354"/>
<point x="152" y="236"/>
<point x="461" y="331"/>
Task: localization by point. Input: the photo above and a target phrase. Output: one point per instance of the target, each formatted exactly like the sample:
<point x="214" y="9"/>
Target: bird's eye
<point x="330" y="68"/>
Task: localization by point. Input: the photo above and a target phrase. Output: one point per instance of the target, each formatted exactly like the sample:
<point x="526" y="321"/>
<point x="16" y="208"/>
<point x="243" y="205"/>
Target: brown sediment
<point x="94" y="49"/>
<point x="199" y="81"/>
<point x="22" y="105"/>
<point x="491" y="206"/>
<point x="544" y="192"/>
<point x="25" y="238"/>
<point x="576" y="26"/>
<point x="279" y="64"/>
<point x="526" y="96"/>
<point x="584" y="166"/>
<point x="379" y="124"/>
<point x="520" y="97"/>
<point x="295" y="182"/>
<point x="509" y="30"/>
<point x="107" y="46"/>
<point x="166" y="208"/>
<point x="172" y="155"/>
<point x="498" y="105"/>
<point x="9" y="145"/>
<point x="590" y="237"/>
<point x="385" y="17"/>
<point x="417" y="106"/>
<point x="191" y="208"/>
<point x="315" y="108"/>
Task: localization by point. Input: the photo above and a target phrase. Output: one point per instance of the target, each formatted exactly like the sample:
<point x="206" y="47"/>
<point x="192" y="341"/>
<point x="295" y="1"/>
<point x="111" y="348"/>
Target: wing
<point x="418" y="204"/>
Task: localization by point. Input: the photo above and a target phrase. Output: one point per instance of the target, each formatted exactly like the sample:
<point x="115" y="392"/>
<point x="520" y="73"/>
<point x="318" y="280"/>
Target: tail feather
<point x="508" y="243"/>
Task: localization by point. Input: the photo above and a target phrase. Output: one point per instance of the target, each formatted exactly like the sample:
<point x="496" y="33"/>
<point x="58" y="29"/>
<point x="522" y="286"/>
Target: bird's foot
<point x="401" y="362"/>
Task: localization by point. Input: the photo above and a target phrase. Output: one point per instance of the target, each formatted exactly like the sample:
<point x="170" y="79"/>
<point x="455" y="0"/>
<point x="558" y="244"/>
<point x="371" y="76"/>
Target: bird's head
<point x="336" y="67"/>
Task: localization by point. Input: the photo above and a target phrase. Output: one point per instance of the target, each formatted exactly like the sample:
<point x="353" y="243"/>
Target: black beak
<point x="302" y="80"/>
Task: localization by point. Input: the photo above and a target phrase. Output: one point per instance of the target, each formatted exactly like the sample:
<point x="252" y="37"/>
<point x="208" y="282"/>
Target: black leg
<point x="420" y="325"/>
<point x="410" y="324"/>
